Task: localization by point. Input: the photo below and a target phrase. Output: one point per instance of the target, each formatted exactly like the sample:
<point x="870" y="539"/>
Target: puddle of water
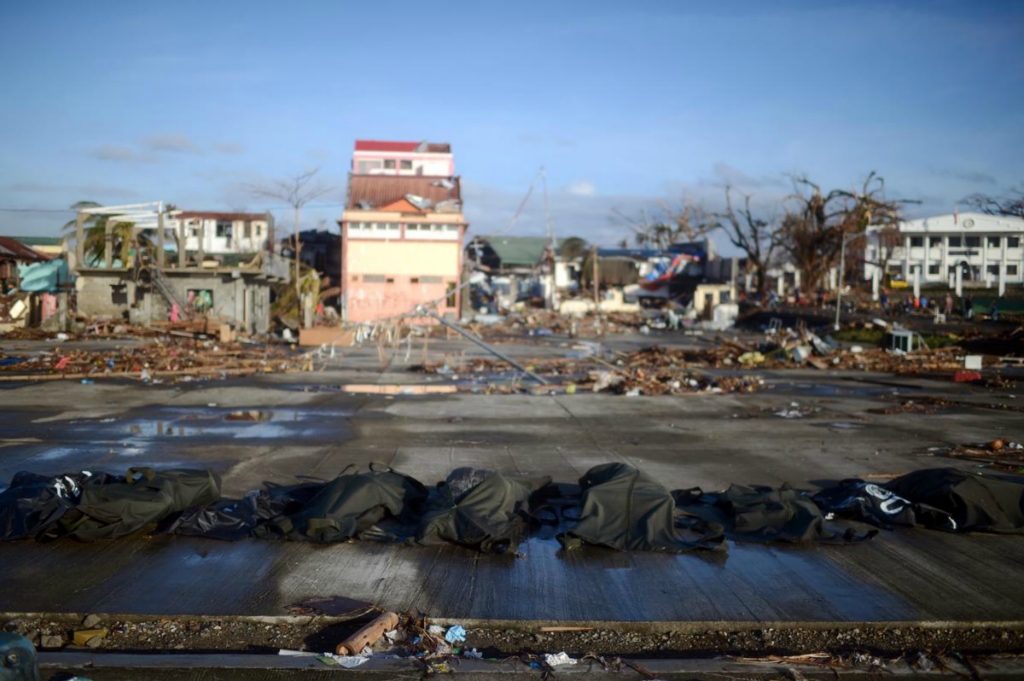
<point x="251" y="416"/>
<point x="55" y="453"/>
<point x="826" y="390"/>
<point x="372" y="389"/>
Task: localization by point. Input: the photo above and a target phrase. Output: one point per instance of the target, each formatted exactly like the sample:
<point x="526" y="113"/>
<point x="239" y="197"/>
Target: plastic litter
<point x="455" y="634"/>
<point x="558" y="660"/>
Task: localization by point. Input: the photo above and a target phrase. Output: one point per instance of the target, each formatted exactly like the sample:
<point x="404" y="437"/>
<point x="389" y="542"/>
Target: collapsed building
<point x="146" y="265"/>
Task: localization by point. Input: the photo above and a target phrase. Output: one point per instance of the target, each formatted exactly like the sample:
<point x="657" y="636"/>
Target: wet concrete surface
<point x="301" y="425"/>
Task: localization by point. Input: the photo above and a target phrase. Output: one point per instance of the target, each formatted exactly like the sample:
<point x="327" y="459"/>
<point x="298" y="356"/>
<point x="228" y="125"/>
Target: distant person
<point x="821" y="298"/>
<point x="969" y="307"/>
<point x="994" y="311"/>
<point x="949" y="305"/>
<point x="773" y="299"/>
<point x="924" y="303"/>
<point x="883" y="299"/>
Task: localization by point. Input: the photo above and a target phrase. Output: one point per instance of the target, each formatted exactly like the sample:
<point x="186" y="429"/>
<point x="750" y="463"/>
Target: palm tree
<point x="95" y="236"/>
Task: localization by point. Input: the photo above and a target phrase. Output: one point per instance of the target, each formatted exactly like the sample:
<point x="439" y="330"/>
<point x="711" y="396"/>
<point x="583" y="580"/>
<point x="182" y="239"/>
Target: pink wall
<point x="371" y="301"/>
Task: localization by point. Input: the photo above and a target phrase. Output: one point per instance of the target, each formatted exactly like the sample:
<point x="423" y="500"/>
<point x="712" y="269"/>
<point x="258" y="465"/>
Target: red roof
<point x="15" y="250"/>
<point x="378" y="145"/>
<point x="185" y="215"/>
<point x="408" y="147"/>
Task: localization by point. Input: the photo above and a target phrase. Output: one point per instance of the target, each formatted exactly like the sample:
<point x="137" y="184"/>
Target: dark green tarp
<point x="485" y="510"/>
<point x="351" y="505"/>
<point x="144" y="497"/>
<point x="759" y="513"/>
<point x="232" y="519"/>
<point x="624" y="509"/>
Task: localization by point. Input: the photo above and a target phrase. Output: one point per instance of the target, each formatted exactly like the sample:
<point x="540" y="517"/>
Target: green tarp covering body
<point x="624" y="509"/>
<point x="145" y="497"/>
<point x="351" y="505"/>
<point x="485" y="510"/>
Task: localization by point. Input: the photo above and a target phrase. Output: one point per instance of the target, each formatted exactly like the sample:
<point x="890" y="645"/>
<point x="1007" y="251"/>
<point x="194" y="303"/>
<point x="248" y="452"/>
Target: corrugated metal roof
<point x="12" y="248"/>
<point x="39" y="240"/>
<point x="220" y="216"/>
<point x="518" y="250"/>
<point x="381" y="190"/>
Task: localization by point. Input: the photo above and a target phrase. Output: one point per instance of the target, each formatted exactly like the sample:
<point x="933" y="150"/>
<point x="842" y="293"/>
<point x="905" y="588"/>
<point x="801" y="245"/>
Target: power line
<point x="72" y="210"/>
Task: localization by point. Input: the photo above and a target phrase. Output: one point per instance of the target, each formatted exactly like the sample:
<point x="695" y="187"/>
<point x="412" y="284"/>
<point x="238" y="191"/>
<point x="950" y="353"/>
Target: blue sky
<point x="629" y="105"/>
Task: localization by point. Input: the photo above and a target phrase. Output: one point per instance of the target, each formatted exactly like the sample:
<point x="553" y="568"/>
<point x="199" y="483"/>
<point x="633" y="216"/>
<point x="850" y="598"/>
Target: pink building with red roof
<point x="378" y="157"/>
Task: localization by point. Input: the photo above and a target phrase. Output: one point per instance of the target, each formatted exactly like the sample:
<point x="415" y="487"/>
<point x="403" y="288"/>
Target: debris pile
<point x="550" y="322"/>
<point x="1002" y="453"/>
<point x="174" y="359"/>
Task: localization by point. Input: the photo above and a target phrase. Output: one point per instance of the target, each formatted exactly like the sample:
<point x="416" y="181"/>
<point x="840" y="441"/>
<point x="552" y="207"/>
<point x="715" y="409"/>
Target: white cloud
<point x="582" y="188"/>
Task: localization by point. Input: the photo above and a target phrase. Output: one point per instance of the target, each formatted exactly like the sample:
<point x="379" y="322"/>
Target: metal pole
<point x="839" y="294"/>
<point x="473" y="339"/>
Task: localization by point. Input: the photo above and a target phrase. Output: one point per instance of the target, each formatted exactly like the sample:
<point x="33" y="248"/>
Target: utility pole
<point x="550" y="297"/>
<point x="298" y="285"/>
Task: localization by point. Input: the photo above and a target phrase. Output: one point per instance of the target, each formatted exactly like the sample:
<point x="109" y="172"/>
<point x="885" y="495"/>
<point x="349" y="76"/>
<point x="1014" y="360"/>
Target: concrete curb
<point x="249" y="666"/>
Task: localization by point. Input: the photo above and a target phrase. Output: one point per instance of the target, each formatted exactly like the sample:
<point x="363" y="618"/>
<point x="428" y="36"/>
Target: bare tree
<point x="296" y="191"/>
<point x="669" y="226"/>
<point x="1012" y="205"/>
<point x="816" y="224"/>
<point x="756" y="237"/>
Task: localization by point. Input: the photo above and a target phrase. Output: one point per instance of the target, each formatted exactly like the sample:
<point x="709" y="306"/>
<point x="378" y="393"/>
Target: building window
<point x="933" y="269"/>
<point x="389" y="280"/>
<point x="1011" y="270"/>
<point x="993" y="242"/>
<point x="367" y="166"/>
<point x="992" y="269"/>
<point x="389" y="164"/>
<point x="430" y="279"/>
<point x="449" y="290"/>
<point x="935" y="241"/>
<point x="916" y="241"/>
<point x="223" y="229"/>
<point x="414" y="280"/>
<point x="1013" y="242"/>
<point x="389" y="230"/>
<point x="406" y="165"/>
<point x="374" y="278"/>
<point x="257" y="231"/>
<point x="955" y="242"/>
<point x="246" y="230"/>
<point x="974" y="242"/>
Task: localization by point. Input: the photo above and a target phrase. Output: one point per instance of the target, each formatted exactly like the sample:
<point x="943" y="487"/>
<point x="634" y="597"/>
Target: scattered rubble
<point x="1002" y="453"/>
<point x="175" y="359"/>
<point x="854" y="646"/>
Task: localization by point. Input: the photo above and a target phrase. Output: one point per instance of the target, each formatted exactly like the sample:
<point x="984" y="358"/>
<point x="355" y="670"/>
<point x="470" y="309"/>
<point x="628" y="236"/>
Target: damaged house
<point x="685" y="275"/>
<point x="30" y="285"/>
<point x="146" y="265"/>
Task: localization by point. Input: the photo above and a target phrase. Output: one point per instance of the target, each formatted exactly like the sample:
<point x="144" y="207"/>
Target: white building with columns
<point x="949" y="249"/>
